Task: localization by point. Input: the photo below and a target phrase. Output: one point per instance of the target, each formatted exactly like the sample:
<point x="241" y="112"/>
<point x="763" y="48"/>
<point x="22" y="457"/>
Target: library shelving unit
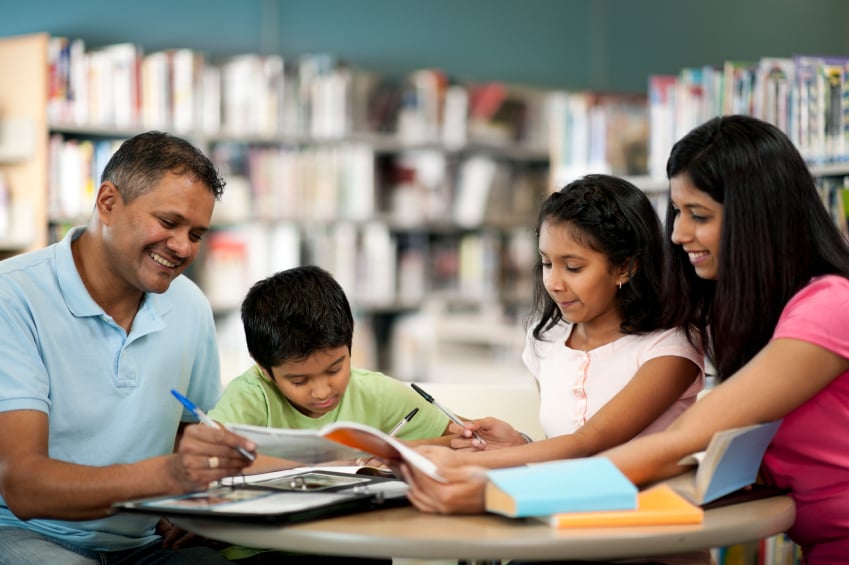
<point x="402" y="218"/>
<point x="400" y="225"/>
<point x="23" y="159"/>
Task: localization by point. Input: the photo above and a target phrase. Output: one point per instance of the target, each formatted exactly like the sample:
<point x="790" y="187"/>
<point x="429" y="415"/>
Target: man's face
<point x="154" y="238"/>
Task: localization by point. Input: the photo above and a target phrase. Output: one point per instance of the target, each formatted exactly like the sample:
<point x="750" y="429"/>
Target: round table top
<point x="406" y="532"/>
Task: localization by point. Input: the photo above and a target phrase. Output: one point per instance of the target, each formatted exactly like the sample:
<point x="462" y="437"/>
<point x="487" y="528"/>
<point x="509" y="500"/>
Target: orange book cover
<point x="658" y="505"/>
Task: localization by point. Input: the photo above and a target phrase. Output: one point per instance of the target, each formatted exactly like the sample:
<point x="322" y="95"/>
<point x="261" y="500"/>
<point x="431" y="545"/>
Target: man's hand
<point x="206" y="454"/>
<point x="172" y="536"/>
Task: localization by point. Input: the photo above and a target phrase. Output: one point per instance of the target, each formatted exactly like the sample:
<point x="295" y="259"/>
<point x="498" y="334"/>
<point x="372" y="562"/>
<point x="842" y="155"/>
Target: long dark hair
<point x="776" y="235"/>
<point x="613" y="217"/>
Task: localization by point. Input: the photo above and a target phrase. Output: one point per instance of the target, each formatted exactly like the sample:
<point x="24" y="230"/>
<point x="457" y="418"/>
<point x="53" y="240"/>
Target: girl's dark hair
<point x="776" y="235"/>
<point x="611" y="216"/>
<point x="294" y="313"/>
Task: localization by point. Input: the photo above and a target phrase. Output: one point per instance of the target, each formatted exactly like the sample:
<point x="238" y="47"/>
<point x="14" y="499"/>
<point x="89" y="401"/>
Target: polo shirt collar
<point x="80" y="302"/>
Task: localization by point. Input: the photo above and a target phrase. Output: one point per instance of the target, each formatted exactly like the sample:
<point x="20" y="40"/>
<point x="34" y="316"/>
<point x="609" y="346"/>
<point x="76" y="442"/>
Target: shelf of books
<point x="408" y="190"/>
<point x="807" y="97"/>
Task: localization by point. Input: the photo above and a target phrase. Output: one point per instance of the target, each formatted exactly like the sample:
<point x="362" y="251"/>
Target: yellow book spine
<point x="659" y="505"/>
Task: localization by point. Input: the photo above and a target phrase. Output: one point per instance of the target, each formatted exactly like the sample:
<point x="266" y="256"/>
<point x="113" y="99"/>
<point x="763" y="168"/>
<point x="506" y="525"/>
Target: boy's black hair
<point x="294" y="313"/>
<point x="611" y="216"/>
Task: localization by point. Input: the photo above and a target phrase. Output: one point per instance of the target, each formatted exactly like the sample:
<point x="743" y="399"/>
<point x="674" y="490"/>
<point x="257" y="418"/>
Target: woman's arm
<point x="784" y="375"/>
<point x="656" y="386"/>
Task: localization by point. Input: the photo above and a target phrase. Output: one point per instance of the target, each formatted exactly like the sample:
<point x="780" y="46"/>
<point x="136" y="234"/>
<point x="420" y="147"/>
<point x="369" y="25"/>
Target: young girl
<point x="607" y="368"/>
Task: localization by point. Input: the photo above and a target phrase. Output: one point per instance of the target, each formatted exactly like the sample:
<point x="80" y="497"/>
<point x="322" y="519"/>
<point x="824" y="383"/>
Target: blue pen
<point x="204" y="419"/>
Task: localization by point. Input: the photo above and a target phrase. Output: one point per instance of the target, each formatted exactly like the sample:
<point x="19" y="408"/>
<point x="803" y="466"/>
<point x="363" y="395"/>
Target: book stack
<point x="592" y="492"/>
<point x="584" y="493"/>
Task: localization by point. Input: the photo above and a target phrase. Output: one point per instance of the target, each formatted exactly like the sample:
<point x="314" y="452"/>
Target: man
<point x="97" y="329"/>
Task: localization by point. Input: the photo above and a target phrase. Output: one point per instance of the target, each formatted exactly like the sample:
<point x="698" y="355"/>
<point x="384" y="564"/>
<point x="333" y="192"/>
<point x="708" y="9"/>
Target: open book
<point x="731" y="462"/>
<point x="334" y="442"/>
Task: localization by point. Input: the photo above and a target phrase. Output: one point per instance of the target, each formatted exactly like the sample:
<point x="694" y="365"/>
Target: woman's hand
<point x="463" y="493"/>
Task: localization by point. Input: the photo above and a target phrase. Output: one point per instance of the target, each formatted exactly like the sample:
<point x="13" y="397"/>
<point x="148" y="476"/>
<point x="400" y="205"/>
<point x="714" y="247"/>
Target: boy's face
<point x="315" y="385"/>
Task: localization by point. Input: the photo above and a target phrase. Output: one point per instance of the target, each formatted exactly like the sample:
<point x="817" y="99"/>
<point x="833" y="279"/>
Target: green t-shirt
<point x="371" y="398"/>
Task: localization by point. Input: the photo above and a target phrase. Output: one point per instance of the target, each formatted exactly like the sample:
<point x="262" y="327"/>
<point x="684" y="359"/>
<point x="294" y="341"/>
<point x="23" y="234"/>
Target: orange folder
<point x="658" y="505"/>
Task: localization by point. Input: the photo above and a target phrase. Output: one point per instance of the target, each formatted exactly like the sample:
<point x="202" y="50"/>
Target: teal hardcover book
<point x="571" y="485"/>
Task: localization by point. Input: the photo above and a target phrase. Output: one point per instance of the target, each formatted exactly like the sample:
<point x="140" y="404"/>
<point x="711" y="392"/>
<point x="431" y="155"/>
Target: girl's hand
<point x="497" y="434"/>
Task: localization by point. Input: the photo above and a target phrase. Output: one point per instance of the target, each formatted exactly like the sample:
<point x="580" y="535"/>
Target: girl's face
<point x="580" y="280"/>
<point x="698" y="225"/>
<point x="315" y="385"/>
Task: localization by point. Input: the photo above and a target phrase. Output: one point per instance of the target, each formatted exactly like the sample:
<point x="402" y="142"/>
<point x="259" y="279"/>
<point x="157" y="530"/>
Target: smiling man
<point x="97" y="328"/>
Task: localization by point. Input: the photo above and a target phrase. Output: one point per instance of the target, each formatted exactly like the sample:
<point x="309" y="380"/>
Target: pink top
<point x="575" y="384"/>
<point x="810" y="452"/>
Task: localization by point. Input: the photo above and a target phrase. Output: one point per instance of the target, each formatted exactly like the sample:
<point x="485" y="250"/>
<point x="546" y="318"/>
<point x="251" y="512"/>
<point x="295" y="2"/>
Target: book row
<point x="340" y="181"/>
<point x="807" y="97"/>
<point x="317" y="95"/>
<point x="378" y="267"/>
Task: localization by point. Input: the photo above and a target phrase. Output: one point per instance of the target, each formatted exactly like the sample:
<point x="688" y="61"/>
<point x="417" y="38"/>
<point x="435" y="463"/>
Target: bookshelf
<point x="405" y="213"/>
<point x="807" y="97"/>
<point x="23" y="209"/>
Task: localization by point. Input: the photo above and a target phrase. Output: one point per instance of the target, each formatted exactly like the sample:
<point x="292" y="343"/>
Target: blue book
<point x="571" y="485"/>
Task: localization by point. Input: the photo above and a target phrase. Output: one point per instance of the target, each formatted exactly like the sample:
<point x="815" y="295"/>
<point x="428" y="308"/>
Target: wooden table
<point x="406" y="532"/>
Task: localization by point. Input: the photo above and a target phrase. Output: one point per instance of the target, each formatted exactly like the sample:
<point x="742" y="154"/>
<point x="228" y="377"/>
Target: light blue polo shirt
<point x="107" y="393"/>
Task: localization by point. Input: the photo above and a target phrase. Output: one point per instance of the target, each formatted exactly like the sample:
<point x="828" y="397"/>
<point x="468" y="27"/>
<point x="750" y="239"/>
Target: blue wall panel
<point x="598" y="44"/>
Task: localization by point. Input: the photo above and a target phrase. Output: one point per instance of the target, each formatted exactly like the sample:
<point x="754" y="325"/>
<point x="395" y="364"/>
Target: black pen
<point x="404" y="421"/>
<point x="451" y="416"/>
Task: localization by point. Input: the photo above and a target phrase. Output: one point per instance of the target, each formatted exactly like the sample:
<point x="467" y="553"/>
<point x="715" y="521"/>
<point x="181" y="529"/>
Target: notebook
<point x="289" y="496"/>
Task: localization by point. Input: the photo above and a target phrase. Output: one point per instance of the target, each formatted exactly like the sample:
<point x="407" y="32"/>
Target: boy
<point x="299" y="329"/>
